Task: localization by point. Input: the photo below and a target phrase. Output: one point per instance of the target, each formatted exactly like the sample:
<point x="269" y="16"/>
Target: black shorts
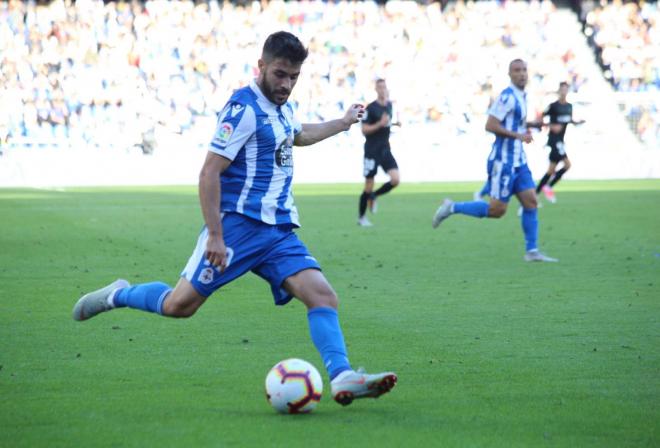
<point x="375" y="158"/>
<point x="557" y="152"/>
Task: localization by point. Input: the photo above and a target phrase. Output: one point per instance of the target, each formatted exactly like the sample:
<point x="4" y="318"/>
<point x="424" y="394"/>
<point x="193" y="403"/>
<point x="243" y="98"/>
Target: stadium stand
<point x="626" y="40"/>
<point x="129" y="76"/>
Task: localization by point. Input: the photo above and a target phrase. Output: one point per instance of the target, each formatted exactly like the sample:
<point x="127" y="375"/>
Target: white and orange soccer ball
<point x="294" y="386"/>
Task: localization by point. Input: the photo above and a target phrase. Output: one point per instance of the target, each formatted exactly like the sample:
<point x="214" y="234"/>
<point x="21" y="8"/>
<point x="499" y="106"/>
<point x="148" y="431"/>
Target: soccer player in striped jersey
<point x="508" y="173"/>
<point x="250" y="217"/>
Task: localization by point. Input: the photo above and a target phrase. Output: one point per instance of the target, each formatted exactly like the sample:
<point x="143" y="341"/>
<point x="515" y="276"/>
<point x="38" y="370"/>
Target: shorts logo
<point x="369" y="165"/>
<point x="205" y="276"/>
<point x="560" y="148"/>
<point x="224" y="133"/>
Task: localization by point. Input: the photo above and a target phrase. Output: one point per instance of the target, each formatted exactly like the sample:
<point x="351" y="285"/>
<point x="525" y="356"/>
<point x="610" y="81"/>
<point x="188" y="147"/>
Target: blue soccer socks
<point x="328" y="339"/>
<point x="147" y="297"/>
<point x="478" y="209"/>
<point x="530" y="226"/>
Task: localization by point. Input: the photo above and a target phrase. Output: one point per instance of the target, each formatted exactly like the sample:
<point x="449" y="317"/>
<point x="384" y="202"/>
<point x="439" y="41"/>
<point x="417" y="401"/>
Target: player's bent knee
<point x="181" y="307"/>
<point x="179" y="311"/>
<point x="496" y="212"/>
<point x="325" y="297"/>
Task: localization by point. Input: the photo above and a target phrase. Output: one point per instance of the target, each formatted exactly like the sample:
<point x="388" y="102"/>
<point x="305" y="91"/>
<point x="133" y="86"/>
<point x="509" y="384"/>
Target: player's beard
<point x="274" y="95"/>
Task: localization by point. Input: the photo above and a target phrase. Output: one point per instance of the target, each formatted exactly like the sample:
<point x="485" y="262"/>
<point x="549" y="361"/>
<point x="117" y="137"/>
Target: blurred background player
<point x="377" y="152"/>
<point x="561" y="114"/>
<point x="508" y="173"/>
<point x="250" y="217"/>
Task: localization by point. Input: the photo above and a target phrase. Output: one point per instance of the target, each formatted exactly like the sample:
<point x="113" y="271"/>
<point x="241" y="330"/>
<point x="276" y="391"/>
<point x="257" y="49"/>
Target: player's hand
<point x="216" y="252"/>
<point x="354" y="114"/>
<point x="526" y="137"/>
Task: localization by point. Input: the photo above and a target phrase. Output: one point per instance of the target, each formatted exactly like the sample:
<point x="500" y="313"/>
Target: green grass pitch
<point x="490" y="351"/>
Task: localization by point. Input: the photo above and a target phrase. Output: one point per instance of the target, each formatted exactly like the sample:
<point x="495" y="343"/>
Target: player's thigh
<point x="286" y="257"/>
<point x="552" y="167"/>
<point x="557" y="153"/>
<point x="387" y="161"/>
<point x="500" y="181"/>
<point x="312" y="288"/>
<point x="246" y="241"/>
<point x="370" y="164"/>
<point x="567" y="163"/>
<point x="522" y="180"/>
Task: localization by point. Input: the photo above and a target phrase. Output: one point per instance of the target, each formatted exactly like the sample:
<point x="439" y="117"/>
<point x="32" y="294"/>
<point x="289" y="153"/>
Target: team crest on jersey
<point x="205" y="276"/>
<point x="225" y="132"/>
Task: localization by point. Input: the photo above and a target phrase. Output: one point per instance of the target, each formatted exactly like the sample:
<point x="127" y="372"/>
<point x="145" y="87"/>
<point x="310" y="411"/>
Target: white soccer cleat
<point x="443" y="212"/>
<point x="352" y="384"/>
<point x="536" y="255"/>
<point x="364" y="222"/>
<point x="96" y="302"/>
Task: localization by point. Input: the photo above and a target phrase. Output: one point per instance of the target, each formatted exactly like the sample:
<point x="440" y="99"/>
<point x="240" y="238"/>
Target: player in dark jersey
<point x="376" y="129"/>
<point x="561" y="115"/>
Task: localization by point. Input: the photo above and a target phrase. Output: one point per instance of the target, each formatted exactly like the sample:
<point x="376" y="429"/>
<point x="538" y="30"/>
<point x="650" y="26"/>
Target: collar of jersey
<point x="518" y="92"/>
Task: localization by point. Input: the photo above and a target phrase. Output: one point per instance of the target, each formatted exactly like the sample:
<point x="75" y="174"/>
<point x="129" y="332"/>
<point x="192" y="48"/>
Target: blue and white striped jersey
<point x="257" y="136"/>
<point x="510" y="108"/>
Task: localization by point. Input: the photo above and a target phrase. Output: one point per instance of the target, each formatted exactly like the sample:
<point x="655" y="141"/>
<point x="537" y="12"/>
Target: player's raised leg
<point x="477" y="209"/>
<point x="311" y="287"/>
<point x="154" y="297"/>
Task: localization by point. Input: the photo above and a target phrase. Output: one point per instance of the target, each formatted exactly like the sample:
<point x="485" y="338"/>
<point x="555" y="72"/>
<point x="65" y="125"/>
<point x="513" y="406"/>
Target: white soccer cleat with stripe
<point x="536" y="255"/>
<point x="351" y="385"/>
<point x="443" y="212"/>
<point x="96" y="302"/>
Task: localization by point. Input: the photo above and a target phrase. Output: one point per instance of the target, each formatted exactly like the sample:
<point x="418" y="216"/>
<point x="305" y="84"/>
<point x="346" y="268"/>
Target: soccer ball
<point x="293" y="386"/>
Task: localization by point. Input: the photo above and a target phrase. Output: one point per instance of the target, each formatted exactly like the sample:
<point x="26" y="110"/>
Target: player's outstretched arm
<point x="538" y="124"/>
<point x="209" y="198"/>
<point x="313" y="133"/>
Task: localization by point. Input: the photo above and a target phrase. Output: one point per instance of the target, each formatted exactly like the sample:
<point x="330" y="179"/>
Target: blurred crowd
<point x="626" y="37"/>
<point x="114" y="74"/>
